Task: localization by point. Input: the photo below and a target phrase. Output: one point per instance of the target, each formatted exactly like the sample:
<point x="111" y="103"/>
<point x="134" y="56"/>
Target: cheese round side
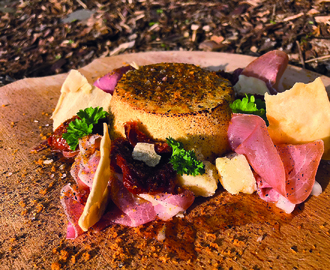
<point x="176" y="100"/>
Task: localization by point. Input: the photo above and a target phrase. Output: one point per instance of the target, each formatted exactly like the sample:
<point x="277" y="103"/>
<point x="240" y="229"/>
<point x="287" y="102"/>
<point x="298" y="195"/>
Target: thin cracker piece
<point x="98" y="197"/>
<point x="77" y="94"/>
<point x="300" y="115"/>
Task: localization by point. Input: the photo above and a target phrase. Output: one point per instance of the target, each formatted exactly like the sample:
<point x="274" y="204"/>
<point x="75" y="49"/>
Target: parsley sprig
<point x="184" y="162"/>
<point x="83" y="126"/>
<point x="249" y="105"/>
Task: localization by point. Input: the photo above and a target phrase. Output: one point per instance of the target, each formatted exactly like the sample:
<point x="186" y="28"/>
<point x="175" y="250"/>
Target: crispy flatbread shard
<point x="300" y="115"/>
<point x="77" y="94"/>
<point x="98" y="197"/>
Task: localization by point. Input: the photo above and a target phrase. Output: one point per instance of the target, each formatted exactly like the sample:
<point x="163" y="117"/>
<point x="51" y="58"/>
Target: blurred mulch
<point x="39" y="38"/>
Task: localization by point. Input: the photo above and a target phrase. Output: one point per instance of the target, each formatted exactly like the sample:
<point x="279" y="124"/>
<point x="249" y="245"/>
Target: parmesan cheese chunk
<point x="235" y="174"/>
<point x="300" y="115"/>
<point x="201" y="185"/>
<point x="98" y="197"/>
<point x="77" y="94"/>
<point x="250" y="85"/>
<point x="146" y="152"/>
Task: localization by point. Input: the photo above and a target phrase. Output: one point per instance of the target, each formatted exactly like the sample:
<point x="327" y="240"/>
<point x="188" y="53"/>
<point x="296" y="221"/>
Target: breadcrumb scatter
<point x="86" y="256"/>
<point x="64" y="255"/>
<point x="56" y="266"/>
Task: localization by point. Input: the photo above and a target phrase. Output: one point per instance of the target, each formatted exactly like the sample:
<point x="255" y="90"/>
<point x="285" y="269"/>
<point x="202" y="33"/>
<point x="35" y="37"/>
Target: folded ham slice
<point x="86" y="162"/>
<point x="73" y="209"/>
<point x="135" y="210"/>
<point x="168" y="205"/>
<point x="268" y="194"/>
<point x="108" y="82"/>
<point x="301" y="163"/>
<point x="288" y="169"/>
<point x="83" y="170"/>
<point x="263" y="75"/>
<point x="269" y="68"/>
<point x="248" y="136"/>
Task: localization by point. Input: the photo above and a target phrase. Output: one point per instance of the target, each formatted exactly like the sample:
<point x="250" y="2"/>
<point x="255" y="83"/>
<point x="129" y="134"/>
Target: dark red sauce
<point x="56" y="142"/>
<point x="134" y="135"/>
<point x="137" y="176"/>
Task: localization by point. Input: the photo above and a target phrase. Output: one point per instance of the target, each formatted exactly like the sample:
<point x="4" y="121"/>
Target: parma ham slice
<point x="168" y="205"/>
<point x="268" y="194"/>
<point x="301" y="163"/>
<point x="73" y="209"/>
<point x="138" y="211"/>
<point x="75" y="172"/>
<point x="83" y="171"/>
<point x="248" y="136"/>
<point x="268" y="68"/>
<point x="86" y="162"/>
<point x="131" y="210"/>
<point x="288" y="169"/>
<point x="108" y="82"/>
<point x="263" y="75"/>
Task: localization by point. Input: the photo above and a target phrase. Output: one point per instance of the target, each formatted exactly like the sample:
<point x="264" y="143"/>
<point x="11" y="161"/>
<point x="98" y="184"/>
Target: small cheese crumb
<point x="235" y="174"/>
<point x="48" y="161"/>
<point x="317" y="189"/>
<point x="161" y="234"/>
<point x="134" y="65"/>
<point x="260" y="238"/>
<point x="146" y="152"/>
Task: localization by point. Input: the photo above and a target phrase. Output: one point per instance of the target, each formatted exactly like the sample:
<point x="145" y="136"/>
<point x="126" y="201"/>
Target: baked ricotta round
<point x="182" y="101"/>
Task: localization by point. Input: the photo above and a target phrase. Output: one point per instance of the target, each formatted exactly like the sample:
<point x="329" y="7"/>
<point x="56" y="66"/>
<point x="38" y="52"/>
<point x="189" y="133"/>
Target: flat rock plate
<point x="222" y="232"/>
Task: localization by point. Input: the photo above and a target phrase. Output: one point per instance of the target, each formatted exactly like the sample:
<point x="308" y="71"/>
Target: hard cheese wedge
<point x="77" y="94"/>
<point x="235" y="174"/>
<point x="300" y="115"/>
<point x="201" y="185"/>
<point x="98" y="197"/>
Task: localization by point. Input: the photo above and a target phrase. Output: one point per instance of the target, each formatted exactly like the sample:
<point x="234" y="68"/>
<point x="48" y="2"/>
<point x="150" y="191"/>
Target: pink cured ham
<point x="75" y="169"/>
<point x="301" y="163"/>
<point x="268" y="68"/>
<point x="289" y="169"/>
<point x="135" y="210"/>
<point x="268" y="194"/>
<point x="73" y="209"/>
<point x="248" y="135"/>
<point x="88" y="168"/>
<point x="108" y="82"/>
<point x="115" y="216"/>
<point x="70" y="154"/>
<point x="168" y="205"/>
<point x="82" y="170"/>
<point x="132" y="210"/>
<point x="86" y="162"/>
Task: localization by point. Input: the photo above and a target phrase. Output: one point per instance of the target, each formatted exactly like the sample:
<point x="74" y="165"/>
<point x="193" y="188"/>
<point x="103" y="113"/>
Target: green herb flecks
<point x="83" y="126"/>
<point x="249" y="105"/>
<point x="184" y="162"/>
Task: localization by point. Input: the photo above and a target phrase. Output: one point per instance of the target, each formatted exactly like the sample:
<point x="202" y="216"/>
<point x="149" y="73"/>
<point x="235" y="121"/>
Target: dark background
<point x="39" y="38"/>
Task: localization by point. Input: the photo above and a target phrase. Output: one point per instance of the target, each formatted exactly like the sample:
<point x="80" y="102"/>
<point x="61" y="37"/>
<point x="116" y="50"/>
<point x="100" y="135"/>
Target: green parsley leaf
<point x="249" y="105"/>
<point x="83" y="126"/>
<point x="92" y="115"/>
<point x="184" y="162"/>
